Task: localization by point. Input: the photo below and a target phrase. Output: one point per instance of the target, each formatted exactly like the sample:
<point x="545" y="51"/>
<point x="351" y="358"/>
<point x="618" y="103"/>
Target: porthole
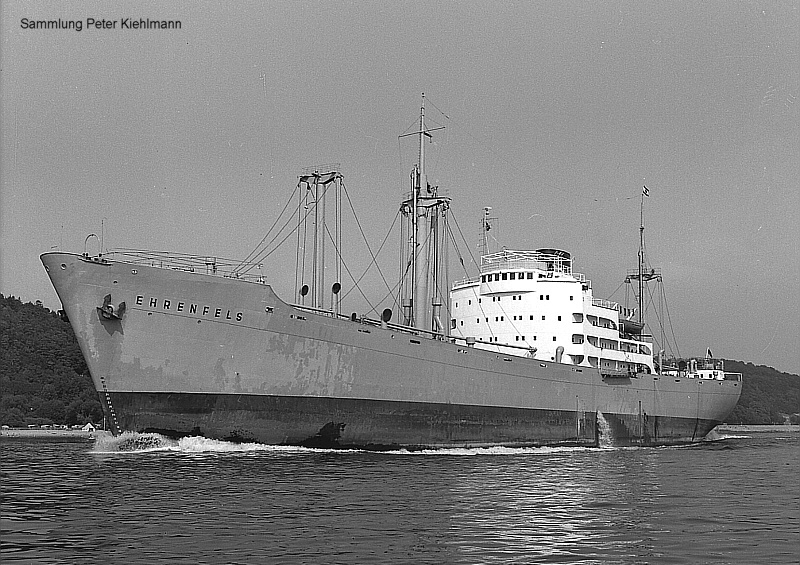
<point x="63" y="265"/>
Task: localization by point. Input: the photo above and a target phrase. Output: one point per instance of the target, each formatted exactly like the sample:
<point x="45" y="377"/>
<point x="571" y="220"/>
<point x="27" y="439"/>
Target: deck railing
<point x="603" y="303"/>
<point x="202" y="264"/>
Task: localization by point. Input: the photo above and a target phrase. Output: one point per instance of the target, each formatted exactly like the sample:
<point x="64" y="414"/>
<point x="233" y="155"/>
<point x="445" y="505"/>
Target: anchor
<point x="107" y="312"/>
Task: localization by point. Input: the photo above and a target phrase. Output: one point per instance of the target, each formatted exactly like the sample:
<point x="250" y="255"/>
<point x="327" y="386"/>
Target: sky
<point x="555" y="114"/>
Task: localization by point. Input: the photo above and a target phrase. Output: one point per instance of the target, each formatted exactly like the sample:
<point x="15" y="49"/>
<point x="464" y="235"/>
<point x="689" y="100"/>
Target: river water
<point x="733" y="500"/>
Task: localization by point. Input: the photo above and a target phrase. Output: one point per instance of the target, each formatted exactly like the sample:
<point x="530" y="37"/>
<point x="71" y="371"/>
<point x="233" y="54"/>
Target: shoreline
<point x="758" y="428"/>
<point x="62" y="435"/>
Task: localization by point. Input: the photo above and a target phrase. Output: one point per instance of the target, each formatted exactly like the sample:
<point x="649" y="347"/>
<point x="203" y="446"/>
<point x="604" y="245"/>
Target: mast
<point x="421" y="209"/>
<point x="642" y="274"/>
<point x="317" y="181"/>
<point x="641" y="260"/>
<point x="420" y="284"/>
<point x="487" y="223"/>
<point x="485" y="231"/>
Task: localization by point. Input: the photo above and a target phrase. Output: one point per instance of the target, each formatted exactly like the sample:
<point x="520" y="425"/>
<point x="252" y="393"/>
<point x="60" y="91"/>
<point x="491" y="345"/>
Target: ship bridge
<point x="512" y="265"/>
<point x="532" y="303"/>
<point x="549" y="260"/>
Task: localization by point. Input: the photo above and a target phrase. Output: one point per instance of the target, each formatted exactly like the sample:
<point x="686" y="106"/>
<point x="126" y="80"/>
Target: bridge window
<point x="505" y="276"/>
<point x="577" y="338"/>
<point x="512" y="276"/>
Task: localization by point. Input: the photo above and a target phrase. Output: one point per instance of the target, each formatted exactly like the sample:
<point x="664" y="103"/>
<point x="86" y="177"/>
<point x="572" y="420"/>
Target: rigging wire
<point x="263" y="254"/>
<point x="461" y="260"/>
<point x="388" y="294"/>
<point x="458" y="251"/>
<point x="363" y="235"/>
<point x="671" y="329"/>
<point x="663" y="323"/>
<point x="364" y="296"/>
<point x="255" y="249"/>
<point x="615" y="291"/>
<point x="346" y="268"/>
<point x="465" y="242"/>
<point x="366" y="270"/>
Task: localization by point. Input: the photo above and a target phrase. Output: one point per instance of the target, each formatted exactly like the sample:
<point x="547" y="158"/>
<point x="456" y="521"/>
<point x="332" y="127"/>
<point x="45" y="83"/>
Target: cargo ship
<point x="521" y="355"/>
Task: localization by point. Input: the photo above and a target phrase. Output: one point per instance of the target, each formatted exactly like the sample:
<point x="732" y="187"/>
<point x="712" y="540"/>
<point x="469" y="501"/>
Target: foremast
<point x="423" y="260"/>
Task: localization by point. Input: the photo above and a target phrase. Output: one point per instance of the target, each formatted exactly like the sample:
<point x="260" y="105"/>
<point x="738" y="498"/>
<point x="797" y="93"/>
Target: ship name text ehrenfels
<point x="183" y="306"/>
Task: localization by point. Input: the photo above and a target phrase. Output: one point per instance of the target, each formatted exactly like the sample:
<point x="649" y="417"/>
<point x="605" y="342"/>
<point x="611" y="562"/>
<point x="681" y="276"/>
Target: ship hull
<point x="379" y="425"/>
<point x="194" y="354"/>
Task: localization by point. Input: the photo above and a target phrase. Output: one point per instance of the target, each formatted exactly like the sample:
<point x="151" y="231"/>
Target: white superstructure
<point x="531" y="303"/>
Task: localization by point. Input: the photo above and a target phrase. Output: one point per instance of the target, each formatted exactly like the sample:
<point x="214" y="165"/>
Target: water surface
<point x="734" y="500"/>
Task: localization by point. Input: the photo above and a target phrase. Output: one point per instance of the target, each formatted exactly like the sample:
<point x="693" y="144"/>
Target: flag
<point x="645" y="191"/>
<point x="709" y="355"/>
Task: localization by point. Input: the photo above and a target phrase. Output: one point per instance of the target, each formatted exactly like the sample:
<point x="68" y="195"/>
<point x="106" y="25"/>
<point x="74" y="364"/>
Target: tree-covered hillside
<point x="44" y="379"/>
<point x="768" y="396"/>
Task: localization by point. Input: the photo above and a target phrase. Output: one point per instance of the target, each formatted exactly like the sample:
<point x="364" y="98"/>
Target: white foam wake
<point x="132" y="442"/>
